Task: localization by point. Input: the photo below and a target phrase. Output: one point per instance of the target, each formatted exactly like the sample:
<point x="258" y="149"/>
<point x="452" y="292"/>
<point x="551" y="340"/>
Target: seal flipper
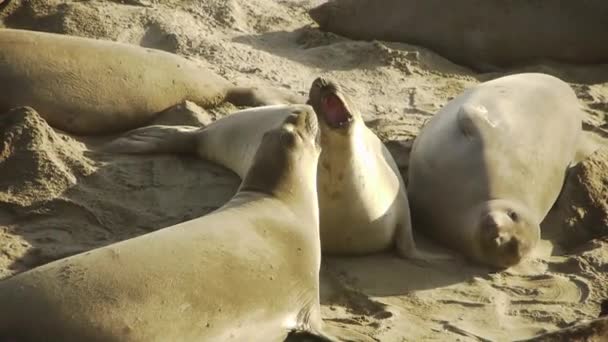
<point x="311" y="328"/>
<point x="406" y="247"/>
<point x="471" y="117"/>
<point x="306" y="336"/>
<point x="312" y="336"/>
<point x="261" y="96"/>
<point x="155" y="139"/>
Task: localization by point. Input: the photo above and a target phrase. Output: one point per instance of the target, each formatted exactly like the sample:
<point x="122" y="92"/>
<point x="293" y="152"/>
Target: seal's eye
<point x="513" y="215"/>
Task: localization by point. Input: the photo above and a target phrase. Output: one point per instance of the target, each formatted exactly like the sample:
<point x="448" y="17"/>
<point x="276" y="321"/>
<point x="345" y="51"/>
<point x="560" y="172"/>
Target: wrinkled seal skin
<point x="247" y="272"/>
<point x="483" y="34"/>
<point x="90" y="86"/>
<point x="486" y="169"/>
<point x="362" y="197"/>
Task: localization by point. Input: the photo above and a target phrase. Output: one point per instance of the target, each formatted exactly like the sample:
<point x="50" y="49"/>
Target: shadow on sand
<point x="317" y="49"/>
<point x="62" y="197"/>
<point x="59" y="197"/>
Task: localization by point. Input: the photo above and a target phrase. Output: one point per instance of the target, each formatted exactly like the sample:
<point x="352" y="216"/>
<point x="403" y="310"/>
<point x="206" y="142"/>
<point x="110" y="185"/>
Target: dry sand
<point x="59" y="196"/>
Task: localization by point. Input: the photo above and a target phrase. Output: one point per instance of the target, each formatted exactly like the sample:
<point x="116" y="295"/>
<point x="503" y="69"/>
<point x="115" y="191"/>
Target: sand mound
<point x="581" y="212"/>
<point x="58" y="198"/>
<point x="37" y="164"/>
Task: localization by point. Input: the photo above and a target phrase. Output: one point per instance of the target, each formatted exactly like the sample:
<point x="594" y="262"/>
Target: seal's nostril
<point x="320" y="82"/>
<point x="490" y="222"/>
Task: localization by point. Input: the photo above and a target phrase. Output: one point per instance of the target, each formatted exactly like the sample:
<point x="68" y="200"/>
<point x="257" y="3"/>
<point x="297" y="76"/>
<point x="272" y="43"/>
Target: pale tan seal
<point x="247" y="272"/>
<point x="481" y="34"/>
<point x="362" y="197"/>
<point x="486" y="169"/>
<point x="89" y="86"/>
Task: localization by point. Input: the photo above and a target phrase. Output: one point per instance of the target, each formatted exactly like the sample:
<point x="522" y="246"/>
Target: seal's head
<point x="287" y="157"/>
<point x="319" y="15"/>
<point x="326" y="14"/>
<point x="334" y="110"/>
<point x="506" y="232"/>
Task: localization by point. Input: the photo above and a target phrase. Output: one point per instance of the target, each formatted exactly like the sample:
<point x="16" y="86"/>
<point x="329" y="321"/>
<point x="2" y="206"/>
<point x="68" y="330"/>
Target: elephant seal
<point x="480" y="34"/>
<point x="486" y="169"/>
<point x="362" y="198"/>
<point x="248" y="271"/>
<point x="89" y="86"/>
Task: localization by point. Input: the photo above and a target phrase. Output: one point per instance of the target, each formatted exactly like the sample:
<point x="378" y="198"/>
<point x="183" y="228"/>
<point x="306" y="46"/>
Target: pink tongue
<point x="335" y="113"/>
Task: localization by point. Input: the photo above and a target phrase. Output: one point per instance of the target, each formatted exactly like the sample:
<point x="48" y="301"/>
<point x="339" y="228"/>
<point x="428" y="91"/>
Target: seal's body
<point x="90" y="86"/>
<point x="362" y="197"/>
<point x="486" y="169"/>
<point x="248" y="271"/>
<point x="483" y="34"/>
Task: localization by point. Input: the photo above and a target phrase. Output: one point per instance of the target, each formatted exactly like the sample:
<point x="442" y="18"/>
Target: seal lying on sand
<point x="88" y="86"/>
<point x="248" y="271"/>
<point x="486" y="169"/>
<point x="362" y="199"/>
<point x="480" y="34"/>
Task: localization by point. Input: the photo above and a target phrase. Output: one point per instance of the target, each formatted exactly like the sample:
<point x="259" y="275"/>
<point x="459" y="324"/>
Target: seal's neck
<point x="343" y="151"/>
<point x="341" y="141"/>
<point x="290" y="181"/>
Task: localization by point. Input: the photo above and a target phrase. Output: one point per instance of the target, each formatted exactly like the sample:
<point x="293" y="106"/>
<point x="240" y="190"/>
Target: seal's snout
<point x="506" y="236"/>
<point x="335" y="112"/>
<point x="495" y="228"/>
<point x="314" y="94"/>
<point x="323" y="84"/>
<point x="328" y="102"/>
<point x="493" y="220"/>
<point x="305" y="120"/>
<point x="320" y="83"/>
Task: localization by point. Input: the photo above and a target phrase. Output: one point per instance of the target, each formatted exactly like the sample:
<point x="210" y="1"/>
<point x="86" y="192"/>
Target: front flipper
<point x="407" y="249"/>
<point x="423" y="258"/>
<point x="261" y="96"/>
<point x="305" y="336"/>
<point x="155" y="139"/>
<point x="333" y="334"/>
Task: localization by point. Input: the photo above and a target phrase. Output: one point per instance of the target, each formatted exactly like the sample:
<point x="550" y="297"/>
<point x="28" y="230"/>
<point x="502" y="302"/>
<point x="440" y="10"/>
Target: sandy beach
<point x="60" y="195"/>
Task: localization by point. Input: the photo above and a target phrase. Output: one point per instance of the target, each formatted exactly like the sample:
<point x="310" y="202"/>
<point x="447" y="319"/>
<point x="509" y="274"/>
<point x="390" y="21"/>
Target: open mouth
<point x="335" y="113"/>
